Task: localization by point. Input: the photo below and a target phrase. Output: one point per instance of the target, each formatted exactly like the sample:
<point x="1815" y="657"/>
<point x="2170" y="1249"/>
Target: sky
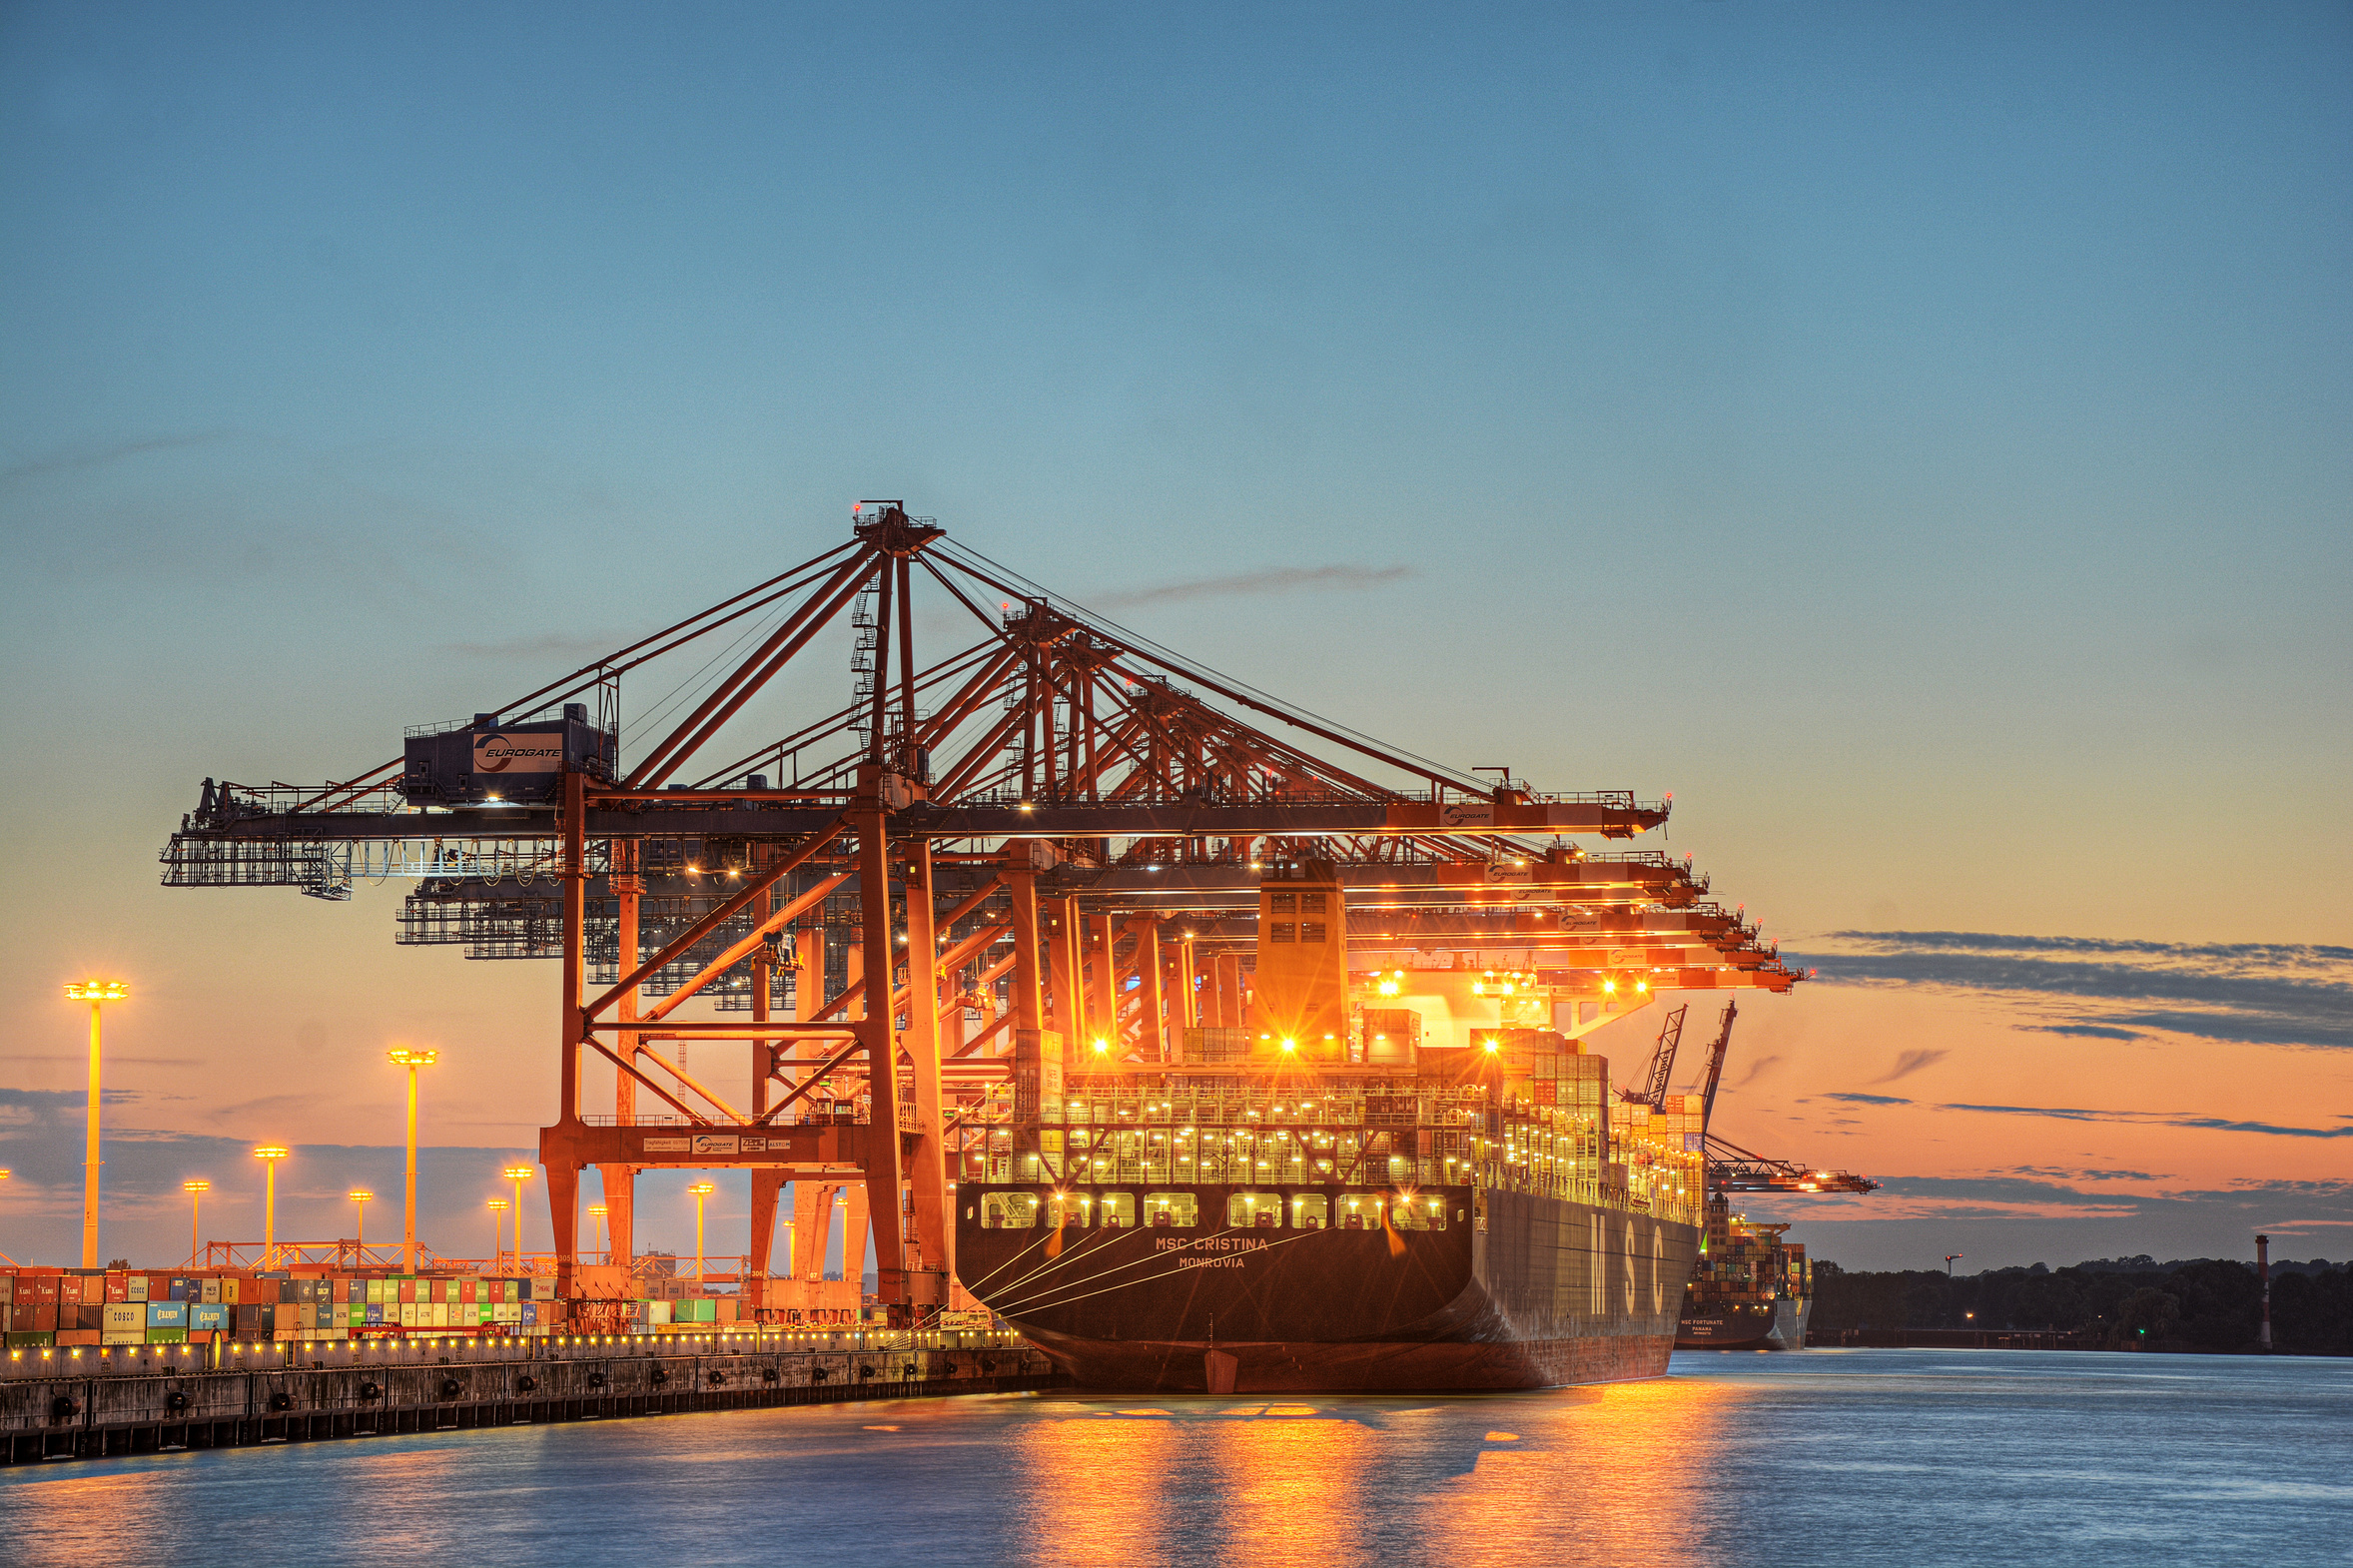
<point x="1914" y="435"/>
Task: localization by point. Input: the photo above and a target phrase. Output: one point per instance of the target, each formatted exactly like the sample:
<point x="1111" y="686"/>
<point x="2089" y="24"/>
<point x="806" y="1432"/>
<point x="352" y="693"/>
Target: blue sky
<point x="1914" y="436"/>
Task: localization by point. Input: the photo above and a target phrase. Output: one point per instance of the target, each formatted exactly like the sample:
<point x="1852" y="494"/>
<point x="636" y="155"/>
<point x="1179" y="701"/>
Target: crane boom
<point x="1722" y="1043"/>
<point x="1661" y="1064"/>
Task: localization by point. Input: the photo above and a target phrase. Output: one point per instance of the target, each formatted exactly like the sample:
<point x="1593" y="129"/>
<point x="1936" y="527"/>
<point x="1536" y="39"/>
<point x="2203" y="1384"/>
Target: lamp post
<point x="360" y="1196"/>
<point x="518" y="1175"/>
<point x="195" y="1192"/>
<point x="269" y="1155"/>
<point x="497" y="1207"/>
<point x="597" y="1212"/>
<point x="94" y="992"/>
<point x="402" y="1056"/>
<point x="702" y="1191"/>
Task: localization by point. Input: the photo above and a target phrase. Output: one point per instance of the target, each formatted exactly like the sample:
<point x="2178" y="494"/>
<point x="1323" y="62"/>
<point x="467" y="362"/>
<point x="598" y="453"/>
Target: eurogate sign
<point x="504" y="753"/>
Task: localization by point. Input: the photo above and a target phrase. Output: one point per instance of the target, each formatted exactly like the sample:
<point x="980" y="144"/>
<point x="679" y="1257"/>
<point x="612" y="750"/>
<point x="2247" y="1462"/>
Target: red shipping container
<point x="407" y="1291"/>
<point x="44" y="1316"/>
<point x="117" y="1289"/>
<point x="44" y="1290"/>
<point x="465" y="1290"/>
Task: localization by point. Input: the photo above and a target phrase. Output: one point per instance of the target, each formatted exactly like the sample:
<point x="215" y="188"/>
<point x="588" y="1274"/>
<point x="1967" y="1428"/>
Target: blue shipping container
<point x="179" y="1292"/>
<point x="530" y="1311"/>
<point x="374" y="1312"/>
<point x="166" y="1315"/>
<point x="206" y="1314"/>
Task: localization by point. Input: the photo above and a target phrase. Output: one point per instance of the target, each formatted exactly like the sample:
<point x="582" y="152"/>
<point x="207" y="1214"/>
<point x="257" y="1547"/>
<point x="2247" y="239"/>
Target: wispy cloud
<point x="2149" y="1118"/>
<point x="2084" y="1173"/>
<point x="2310" y="1208"/>
<point x="1909" y="1063"/>
<point x="1279" y="579"/>
<point x="96" y="458"/>
<point x="1868" y="1100"/>
<point x="569" y="647"/>
<point x="2258" y="993"/>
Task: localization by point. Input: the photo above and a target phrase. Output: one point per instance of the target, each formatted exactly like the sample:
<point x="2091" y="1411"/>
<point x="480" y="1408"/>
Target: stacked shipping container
<point x="62" y="1306"/>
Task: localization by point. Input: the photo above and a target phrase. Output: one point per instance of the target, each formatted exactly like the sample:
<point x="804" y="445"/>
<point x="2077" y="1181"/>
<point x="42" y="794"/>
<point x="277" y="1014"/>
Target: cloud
<point x="1909" y="1063"/>
<point x="73" y="461"/>
<point x="1872" y="1099"/>
<point x="2256" y="992"/>
<point x="1756" y="1071"/>
<point x="1280" y="579"/>
<point x="114" y="1060"/>
<point x="2083" y="1031"/>
<point x="569" y="647"/>
<point x="1998" y="1195"/>
<point x="2086" y="1174"/>
<point x="2151" y="1119"/>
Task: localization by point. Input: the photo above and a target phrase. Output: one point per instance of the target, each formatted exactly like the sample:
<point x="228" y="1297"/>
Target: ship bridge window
<point x="1360" y="1211"/>
<point x="1283" y="903"/>
<point x="1282" y="930"/>
<point x="1311" y="903"/>
<point x="1310" y="1212"/>
<point x="1313" y="930"/>
<point x="1410" y="1213"/>
<point x="1254" y="1211"/>
<point x="1009" y="1211"/>
<point x="1171" y="1211"/>
<point x="1068" y="1209"/>
<point x="1118" y="1211"/>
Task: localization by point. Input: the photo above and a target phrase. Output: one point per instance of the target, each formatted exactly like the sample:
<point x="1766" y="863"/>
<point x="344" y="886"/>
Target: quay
<point x="90" y="1403"/>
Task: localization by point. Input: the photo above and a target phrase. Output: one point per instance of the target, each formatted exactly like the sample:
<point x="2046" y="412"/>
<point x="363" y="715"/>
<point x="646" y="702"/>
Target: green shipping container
<point x="166" y="1336"/>
<point x="31" y="1340"/>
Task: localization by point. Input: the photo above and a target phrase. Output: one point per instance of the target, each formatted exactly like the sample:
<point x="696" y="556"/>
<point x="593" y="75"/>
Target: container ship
<point x="1332" y="1202"/>
<point x="1752" y="1289"/>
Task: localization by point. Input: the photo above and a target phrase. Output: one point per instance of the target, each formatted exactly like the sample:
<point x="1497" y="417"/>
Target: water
<point x="1830" y="1457"/>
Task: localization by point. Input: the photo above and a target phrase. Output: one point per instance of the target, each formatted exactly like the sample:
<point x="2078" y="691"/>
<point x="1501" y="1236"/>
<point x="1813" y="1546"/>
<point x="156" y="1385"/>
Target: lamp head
<point x="359" y="1194"/>
<point x="702" y="1189"/>
<point x="597" y="1210"/>
<point x="196" y="1187"/>
<point x="271" y="1151"/>
<point x="404" y="1055"/>
<point x="499" y="1204"/>
<point x="520" y="1172"/>
<point x="97" y="990"/>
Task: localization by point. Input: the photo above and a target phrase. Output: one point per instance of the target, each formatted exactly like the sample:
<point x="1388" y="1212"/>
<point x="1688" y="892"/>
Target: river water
<point x="1829" y="1457"/>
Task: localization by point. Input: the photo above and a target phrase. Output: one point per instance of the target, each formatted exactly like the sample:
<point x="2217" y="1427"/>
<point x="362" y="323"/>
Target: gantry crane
<point x="1055" y="833"/>
<point x="1732" y="1168"/>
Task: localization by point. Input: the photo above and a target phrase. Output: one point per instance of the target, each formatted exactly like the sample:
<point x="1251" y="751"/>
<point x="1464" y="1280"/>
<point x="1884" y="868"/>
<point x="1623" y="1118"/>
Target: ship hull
<point x="1779" y="1324"/>
<point x="1522" y="1291"/>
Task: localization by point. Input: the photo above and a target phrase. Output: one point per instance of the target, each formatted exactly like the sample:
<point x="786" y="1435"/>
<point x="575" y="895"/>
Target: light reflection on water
<point x="1863" y="1457"/>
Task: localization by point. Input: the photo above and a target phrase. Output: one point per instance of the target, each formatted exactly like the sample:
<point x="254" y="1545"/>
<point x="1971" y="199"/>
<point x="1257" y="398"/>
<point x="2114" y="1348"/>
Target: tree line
<point x="2205" y="1305"/>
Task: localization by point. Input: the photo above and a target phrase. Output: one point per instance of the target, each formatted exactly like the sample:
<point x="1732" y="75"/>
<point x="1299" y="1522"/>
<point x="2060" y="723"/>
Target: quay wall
<point x="169" y="1398"/>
